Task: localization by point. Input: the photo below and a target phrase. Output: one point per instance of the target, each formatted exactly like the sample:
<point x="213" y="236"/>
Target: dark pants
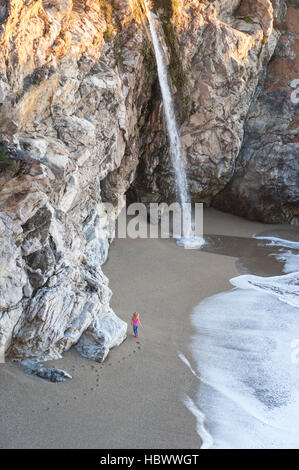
<point x="135" y="329"/>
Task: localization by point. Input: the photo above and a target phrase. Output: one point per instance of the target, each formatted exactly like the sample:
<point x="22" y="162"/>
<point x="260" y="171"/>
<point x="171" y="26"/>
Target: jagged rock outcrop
<point x="49" y="373"/>
<point x="82" y="123"/>
<point x="265" y="184"/>
<point x="52" y="296"/>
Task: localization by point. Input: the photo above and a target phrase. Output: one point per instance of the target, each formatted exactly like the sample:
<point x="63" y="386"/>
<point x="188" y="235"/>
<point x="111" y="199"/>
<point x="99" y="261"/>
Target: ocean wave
<point x="243" y="350"/>
<point x="285" y="287"/>
<point x="206" y="438"/>
<point x="290" y="259"/>
<point x="289" y="256"/>
<point x="275" y="241"/>
<point x="248" y="387"/>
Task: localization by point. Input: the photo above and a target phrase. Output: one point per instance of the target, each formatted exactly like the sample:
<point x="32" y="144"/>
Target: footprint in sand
<point x="99" y="367"/>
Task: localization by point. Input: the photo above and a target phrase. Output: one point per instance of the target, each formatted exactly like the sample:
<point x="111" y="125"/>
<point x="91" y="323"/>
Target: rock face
<point x="218" y="53"/>
<point x="265" y="185"/>
<point x="82" y="124"/>
<point x="69" y="100"/>
<point x="52" y="296"/>
<point x="49" y="373"/>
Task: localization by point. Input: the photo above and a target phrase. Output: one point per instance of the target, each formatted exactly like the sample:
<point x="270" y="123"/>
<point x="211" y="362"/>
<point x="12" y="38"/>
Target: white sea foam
<point x="243" y="350"/>
<point x="275" y="241"/>
<point x="207" y="440"/>
<point x="185" y="361"/>
<point x="291" y="261"/>
<point x="285" y="287"/>
<point x="248" y="389"/>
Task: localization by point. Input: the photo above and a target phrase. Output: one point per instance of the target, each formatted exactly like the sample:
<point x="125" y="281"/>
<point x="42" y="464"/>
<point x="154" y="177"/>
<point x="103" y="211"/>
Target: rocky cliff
<point x="82" y="123"/>
<point x="265" y="184"/>
<point x="72" y="86"/>
<point x="219" y="62"/>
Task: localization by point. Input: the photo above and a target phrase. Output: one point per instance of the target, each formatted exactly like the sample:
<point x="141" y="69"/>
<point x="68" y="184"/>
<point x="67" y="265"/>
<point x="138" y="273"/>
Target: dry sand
<point x="134" y="399"/>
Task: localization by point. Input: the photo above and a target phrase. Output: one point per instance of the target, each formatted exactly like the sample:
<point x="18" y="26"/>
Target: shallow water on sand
<point x="245" y="344"/>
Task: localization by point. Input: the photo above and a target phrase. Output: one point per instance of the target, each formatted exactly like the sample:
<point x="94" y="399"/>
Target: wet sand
<point x="135" y="398"/>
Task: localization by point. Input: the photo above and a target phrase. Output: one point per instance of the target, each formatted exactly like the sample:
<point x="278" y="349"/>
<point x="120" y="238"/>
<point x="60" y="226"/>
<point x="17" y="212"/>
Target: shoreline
<point x="135" y="399"/>
<point x="243" y="351"/>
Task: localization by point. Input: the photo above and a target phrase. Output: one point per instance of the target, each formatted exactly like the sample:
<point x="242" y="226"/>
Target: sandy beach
<point x="135" y="398"/>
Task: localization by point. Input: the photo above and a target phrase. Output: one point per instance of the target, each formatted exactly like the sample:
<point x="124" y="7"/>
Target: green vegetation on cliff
<point x="168" y="11"/>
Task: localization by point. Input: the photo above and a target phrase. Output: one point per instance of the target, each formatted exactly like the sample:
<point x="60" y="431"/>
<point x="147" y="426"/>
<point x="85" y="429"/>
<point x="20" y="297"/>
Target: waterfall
<point x="173" y="134"/>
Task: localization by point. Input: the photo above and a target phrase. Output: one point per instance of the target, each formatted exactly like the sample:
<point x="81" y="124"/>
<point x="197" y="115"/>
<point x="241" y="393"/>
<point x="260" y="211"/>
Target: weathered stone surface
<point x="50" y="291"/>
<point x="49" y="373"/>
<point x="12" y="278"/>
<point x="265" y="185"/>
<point x="103" y="333"/>
<point x="57" y="315"/>
<point x="8" y="321"/>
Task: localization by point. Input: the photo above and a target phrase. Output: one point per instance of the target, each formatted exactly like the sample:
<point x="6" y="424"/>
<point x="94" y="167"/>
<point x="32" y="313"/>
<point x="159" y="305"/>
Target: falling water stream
<point x="188" y="239"/>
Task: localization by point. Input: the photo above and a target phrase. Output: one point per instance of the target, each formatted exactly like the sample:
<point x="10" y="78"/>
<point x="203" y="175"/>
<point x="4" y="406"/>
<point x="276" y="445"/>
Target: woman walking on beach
<point x="135" y="322"/>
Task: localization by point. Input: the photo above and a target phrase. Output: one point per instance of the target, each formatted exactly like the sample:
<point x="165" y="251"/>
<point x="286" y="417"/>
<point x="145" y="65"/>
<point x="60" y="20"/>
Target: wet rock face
<point x="82" y="122"/>
<point x="218" y="55"/>
<point x="265" y="185"/>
